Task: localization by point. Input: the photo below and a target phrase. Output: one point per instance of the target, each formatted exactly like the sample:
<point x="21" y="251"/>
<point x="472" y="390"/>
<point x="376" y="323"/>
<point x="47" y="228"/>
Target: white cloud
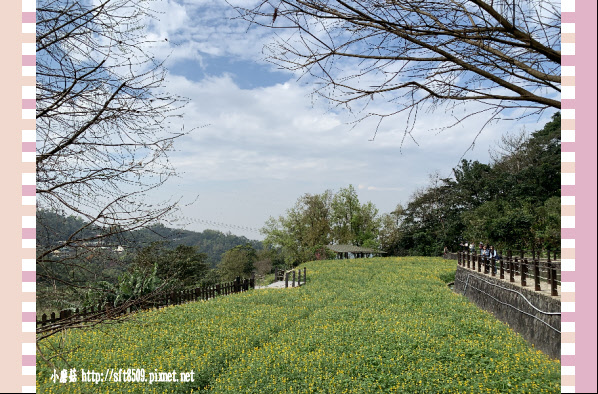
<point x="263" y="148"/>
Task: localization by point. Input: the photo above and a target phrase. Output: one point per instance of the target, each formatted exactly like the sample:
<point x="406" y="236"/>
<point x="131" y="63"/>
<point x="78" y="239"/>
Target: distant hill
<point x="211" y="242"/>
<point x="53" y="228"/>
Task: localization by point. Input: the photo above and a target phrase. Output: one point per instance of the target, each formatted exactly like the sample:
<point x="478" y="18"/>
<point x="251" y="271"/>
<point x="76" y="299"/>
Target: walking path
<point x="276" y="285"/>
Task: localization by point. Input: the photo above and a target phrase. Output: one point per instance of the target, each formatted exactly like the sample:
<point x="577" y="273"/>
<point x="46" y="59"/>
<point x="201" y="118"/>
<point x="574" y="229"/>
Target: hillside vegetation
<point x="357" y="326"/>
<point x="53" y="228"/>
<point x="124" y="267"/>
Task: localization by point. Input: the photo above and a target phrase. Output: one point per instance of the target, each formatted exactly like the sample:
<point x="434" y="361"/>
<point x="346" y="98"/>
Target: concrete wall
<point x="508" y="303"/>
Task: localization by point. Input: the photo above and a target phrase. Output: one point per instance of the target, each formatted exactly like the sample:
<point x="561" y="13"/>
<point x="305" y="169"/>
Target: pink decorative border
<point x="578" y="190"/>
<point x="28" y="308"/>
<point x="568" y="197"/>
<point x="575" y="147"/>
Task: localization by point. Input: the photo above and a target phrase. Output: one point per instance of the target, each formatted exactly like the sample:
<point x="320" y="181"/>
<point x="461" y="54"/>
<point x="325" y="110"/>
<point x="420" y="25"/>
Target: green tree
<point x="512" y="202"/>
<point x="366" y="226"/>
<point x="390" y="232"/>
<point x="352" y="222"/>
<point x="318" y="220"/>
<point x="267" y="259"/>
<point x="182" y="266"/>
<point x="345" y="211"/>
<point x="547" y="226"/>
<point x="305" y="228"/>
<point x="239" y="261"/>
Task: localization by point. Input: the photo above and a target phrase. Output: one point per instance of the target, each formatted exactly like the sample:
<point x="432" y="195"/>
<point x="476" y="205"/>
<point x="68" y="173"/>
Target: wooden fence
<point x="169" y="298"/>
<point x="522" y="265"/>
<point x="286" y="275"/>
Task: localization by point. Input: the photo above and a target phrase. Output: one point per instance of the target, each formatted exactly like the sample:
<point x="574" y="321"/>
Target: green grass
<point x="358" y="326"/>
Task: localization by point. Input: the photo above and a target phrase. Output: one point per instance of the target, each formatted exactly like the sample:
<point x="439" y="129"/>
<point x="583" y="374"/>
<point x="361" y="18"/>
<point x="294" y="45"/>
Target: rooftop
<point x="352" y="249"/>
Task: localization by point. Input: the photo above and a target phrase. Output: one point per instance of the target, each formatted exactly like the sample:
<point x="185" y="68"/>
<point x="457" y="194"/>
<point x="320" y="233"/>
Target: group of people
<point x="485" y="250"/>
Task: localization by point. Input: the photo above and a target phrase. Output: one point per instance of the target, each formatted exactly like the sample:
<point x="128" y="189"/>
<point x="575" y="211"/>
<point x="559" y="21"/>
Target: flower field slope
<point x="357" y="326"/>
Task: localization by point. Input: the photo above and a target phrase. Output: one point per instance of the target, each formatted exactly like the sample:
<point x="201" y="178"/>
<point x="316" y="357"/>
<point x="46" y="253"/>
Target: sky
<point x="260" y="140"/>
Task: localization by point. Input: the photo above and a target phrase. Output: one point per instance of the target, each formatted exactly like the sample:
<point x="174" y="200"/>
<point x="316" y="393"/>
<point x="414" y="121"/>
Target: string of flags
<point x="217" y="224"/>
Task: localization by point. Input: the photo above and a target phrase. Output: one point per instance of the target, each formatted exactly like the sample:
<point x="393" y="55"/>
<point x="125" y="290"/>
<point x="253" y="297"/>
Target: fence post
<point x="537" y="275"/>
<point x="552" y="276"/>
<point x="548" y="270"/>
<point x="217" y="288"/>
<point x="553" y="291"/>
<point x="524" y="273"/>
<point x="468" y="258"/>
<point x="286" y="279"/>
<point x="304" y="275"/>
<point x="493" y="266"/>
<point x="480" y="263"/>
<point x="299" y="280"/>
<point x="511" y="266"/>
<point x="237" y="284"/>
<point x="293" y="278"/>
<point x="502" y="267"/>
<point x="252" y="280"/>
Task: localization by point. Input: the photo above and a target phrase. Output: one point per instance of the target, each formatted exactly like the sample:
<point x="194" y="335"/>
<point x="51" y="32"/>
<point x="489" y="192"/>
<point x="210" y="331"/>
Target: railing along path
<point x="543" y="273"/>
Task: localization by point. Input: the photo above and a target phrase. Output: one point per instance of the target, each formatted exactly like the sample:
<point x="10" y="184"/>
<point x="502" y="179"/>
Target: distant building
<point x="354" y="252"/>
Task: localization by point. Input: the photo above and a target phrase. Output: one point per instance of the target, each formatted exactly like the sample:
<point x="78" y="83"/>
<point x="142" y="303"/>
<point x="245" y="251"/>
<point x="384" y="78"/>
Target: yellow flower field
<point x="357" y="326"/>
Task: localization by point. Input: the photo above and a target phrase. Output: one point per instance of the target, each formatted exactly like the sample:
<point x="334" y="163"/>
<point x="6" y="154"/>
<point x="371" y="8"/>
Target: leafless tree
<point x="421" y="54"/>
<point x="102" y="122"/>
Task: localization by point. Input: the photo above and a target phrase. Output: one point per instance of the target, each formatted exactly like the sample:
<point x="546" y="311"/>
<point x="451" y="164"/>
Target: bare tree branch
<point x="103" y="128"/>
<point x="502" y="54"/>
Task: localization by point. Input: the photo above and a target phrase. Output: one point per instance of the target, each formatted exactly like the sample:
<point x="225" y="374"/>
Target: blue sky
<point x="261" y="140"/>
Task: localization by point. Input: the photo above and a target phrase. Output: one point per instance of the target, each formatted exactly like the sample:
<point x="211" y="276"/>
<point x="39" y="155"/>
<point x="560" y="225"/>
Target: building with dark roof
<point x="350" y="251"/>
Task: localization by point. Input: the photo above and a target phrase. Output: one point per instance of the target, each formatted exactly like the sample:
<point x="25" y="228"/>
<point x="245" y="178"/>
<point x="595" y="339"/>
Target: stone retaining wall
<point x="510" y="303"/>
